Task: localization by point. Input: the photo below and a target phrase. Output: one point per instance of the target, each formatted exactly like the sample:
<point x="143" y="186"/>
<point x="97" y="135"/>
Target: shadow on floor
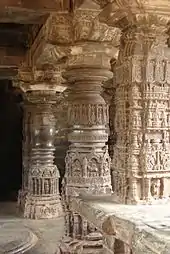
<point x="48" y="231"/>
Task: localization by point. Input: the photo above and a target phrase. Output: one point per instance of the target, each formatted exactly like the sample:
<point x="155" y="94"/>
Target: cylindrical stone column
<point x="43" y="199"/>
<point x="87" y="159"/>
<point x="41" y="176"/>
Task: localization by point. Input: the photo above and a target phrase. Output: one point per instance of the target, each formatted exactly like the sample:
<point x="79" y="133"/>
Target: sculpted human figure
<point x="92" y="168"/>
<point x="76" y="168"/>
<point x="46" y="186"/>
<point x="155" y="188"/>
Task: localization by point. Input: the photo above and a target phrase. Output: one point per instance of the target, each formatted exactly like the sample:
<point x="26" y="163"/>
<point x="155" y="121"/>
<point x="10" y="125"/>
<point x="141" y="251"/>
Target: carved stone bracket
<point x="62" y="30"/>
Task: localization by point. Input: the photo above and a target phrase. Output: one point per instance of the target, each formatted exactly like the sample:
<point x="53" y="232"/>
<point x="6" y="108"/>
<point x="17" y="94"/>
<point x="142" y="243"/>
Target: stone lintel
<point x="11" y="58"/>
<point x="145" y="229"/>
<point x="124" y="13"/>
<point x="63" y="30"/>
<point x="42" y="6"/>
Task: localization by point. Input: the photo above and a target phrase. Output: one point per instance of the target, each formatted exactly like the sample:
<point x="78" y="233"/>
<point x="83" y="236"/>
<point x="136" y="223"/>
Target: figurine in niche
<point x="151" y="162"/>
<point x="106" y="167"/>
<point x="46" y="186"/>
<point x="76" y="225"/>
<point x="76" y="168"/>
<point x="90" y="228"/>
<point x="156" y="188"/>
<point x="93" y="168"/>
<point x="163" y="119"/>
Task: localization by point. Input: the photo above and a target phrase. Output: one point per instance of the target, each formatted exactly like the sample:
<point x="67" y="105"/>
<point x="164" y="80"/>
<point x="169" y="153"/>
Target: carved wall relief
<point x="141" y="152"/>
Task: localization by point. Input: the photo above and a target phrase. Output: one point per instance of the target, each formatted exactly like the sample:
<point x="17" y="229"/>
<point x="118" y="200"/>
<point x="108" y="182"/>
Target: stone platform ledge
<point x="144" y="228"/>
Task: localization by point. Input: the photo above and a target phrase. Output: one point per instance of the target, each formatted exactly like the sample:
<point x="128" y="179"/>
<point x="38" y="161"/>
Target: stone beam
<point x="8" y="73"/>
<point x="141" y="229"/>
<point x="42" y="6"/>
<point x="124" y="12"/>
<point x="11" y="57"/>
<point x="63" y="30"/>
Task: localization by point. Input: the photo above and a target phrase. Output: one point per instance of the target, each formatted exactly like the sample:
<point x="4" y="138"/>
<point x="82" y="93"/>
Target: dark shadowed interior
<point x="10" y="141"/>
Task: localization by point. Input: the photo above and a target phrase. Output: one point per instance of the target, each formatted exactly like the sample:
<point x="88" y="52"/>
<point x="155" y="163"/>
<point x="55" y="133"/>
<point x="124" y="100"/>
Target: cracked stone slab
<point x="142" y="227"/>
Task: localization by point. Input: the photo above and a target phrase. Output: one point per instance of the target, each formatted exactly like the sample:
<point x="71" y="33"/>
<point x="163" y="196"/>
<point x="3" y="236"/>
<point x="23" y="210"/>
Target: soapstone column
<point x="42" y="199"/>
<point x="87" y="160"/>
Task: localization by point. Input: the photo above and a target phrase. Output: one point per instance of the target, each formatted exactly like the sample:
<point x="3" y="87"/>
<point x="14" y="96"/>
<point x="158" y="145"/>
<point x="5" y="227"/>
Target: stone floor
<point x="49" y="232"/>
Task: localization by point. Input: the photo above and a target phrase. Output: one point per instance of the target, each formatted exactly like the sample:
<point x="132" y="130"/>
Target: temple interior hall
<point x="85" y="127"/>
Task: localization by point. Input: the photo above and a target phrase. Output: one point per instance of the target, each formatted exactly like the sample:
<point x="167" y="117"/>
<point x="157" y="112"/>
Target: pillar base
<point x="91" y="244"/>
<point x="42" y="207"/>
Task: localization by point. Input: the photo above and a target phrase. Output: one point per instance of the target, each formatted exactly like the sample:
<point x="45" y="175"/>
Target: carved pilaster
<point x="141" y="153"/>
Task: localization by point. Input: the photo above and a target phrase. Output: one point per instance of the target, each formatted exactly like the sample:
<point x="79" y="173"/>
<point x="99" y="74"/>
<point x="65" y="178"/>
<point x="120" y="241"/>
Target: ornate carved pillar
<point x="109" y="90"/>
<point x="87" y="160"/>
<point x="141" y="153"/>
<point x="42" y="198"/>
<point x="87" y="115"/>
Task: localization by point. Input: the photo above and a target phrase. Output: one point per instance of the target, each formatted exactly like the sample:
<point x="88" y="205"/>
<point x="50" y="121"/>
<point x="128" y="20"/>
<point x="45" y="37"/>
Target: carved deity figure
<point x="93" y="168"/>
<point x="156" y="188"/>
<point x="76" y="168"/>
<point x="150" y="162"/>
<point x="46" y="186"/>
<point x="106" y="167"/>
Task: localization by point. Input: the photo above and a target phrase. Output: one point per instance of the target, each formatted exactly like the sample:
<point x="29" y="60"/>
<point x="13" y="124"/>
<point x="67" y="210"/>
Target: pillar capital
<point x="46" y="78"/>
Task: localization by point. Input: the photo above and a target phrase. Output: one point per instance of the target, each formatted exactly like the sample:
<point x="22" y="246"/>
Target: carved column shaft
<point x="40" y="174"/>
<point x="141" y="121"/>
<point x="43" y="199"/>
<point x="87" y="160"/>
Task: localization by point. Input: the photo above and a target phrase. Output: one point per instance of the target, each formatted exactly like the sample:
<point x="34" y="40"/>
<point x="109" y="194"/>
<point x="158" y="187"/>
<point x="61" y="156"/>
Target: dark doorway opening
<point x="11" y="115"/>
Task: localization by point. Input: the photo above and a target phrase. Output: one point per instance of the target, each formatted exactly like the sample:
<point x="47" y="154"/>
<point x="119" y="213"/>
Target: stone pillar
<point x="40" y="174"/>
<point x="141" y="153"/>
<point x="87" y="160"/>
<point x="43" y="199"/>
